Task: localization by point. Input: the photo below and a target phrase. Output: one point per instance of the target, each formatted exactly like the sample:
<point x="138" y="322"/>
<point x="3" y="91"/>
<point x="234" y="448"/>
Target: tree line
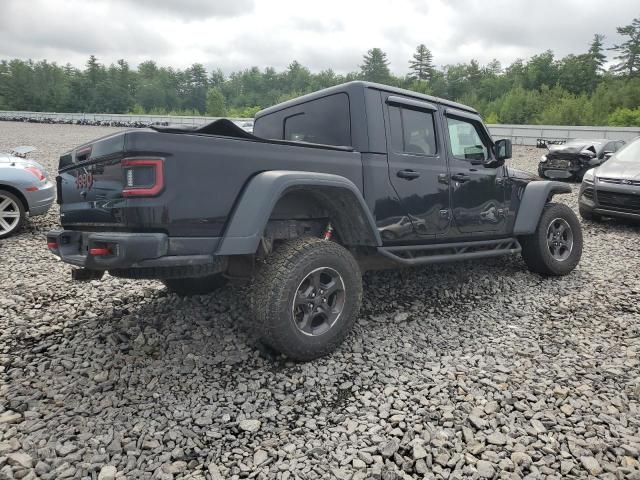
<point x="544" y="89"/>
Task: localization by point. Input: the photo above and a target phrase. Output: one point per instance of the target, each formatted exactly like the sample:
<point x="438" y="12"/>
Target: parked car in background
<point x="613" y="189"/>
<point x="572" y="159"/>
<point x="24" y="190"/>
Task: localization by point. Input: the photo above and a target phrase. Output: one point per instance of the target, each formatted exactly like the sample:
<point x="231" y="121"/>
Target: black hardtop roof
<point x="350" y="86"/>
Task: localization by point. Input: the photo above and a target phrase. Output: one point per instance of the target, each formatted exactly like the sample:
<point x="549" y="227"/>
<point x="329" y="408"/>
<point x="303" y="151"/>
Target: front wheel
<point x="306" y="297"/>
<point x="555" y="247"/>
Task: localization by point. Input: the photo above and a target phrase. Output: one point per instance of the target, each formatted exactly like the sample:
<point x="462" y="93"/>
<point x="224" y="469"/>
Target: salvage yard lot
<point x="473" y="369"/>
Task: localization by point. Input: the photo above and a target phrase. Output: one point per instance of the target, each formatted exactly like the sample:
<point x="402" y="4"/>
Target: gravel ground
<point x="474" y="370"/>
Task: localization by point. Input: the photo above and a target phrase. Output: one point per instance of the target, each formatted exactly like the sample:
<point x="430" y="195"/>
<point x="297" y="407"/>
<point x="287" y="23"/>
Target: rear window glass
<point x="412" y="131"/>
<point x="325" y="120"/>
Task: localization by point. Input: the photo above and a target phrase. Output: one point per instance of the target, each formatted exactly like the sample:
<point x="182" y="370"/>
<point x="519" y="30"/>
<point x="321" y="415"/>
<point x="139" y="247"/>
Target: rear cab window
<point x="325" y="120"/>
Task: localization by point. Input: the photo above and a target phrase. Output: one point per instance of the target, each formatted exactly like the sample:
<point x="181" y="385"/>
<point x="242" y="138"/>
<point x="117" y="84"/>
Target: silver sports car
<point x="24" y="190"/>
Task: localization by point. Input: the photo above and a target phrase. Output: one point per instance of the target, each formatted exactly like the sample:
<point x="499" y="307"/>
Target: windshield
<point x="630" y="152"/>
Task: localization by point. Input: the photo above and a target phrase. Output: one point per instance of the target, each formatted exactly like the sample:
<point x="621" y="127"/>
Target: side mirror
<point x="503" y="149"/>
<point x="607" y="154"/>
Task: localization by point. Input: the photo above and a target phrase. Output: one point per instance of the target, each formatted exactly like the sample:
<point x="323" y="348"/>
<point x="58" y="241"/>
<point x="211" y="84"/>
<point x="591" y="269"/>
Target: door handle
<point x="460" y="177"/>
<point x="408" y="174"/>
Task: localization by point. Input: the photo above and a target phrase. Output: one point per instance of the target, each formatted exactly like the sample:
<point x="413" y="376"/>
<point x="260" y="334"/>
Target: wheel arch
<point x="268" y="191"/>
<point x="17" y="193"/>
<point x="536" y="195"/>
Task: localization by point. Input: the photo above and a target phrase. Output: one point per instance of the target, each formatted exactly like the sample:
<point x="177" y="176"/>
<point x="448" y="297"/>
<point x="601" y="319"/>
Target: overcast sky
<point x="237" y="34"/>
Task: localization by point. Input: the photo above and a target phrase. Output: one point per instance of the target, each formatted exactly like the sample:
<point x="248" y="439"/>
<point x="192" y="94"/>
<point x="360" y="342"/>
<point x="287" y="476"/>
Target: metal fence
<point x="519" y="134"/>
<point x="528" y="134"/>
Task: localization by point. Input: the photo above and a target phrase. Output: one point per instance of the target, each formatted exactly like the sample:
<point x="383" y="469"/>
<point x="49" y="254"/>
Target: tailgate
<point x="96" y="179"/>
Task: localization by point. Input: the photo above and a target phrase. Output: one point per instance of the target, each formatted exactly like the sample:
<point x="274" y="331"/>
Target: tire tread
<point x="268" y="286"/>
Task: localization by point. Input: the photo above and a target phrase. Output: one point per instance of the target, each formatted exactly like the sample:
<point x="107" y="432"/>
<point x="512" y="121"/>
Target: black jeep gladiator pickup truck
<point x="354" y="177"/>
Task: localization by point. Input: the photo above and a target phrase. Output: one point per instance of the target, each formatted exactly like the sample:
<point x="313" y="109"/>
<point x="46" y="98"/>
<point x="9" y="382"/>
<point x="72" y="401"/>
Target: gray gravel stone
<point x="591" y="465"/>
<point x="485" y="469"/>
<point x="250" y="426"/>
<point x="108" y="472"/>
<point x="20" y="459"/>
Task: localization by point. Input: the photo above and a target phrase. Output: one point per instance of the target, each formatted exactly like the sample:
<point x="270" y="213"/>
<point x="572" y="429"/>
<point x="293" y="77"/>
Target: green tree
<point x="625" y="117"/>
<point x="375" y="67"/>
<point x="422" y="64"/>
<point x="596" y="52"/>
<point x="216" y="105"/>
<point x="541" y="70"/>
<point x="628" y="51"/>
<point x="577" y="73"/>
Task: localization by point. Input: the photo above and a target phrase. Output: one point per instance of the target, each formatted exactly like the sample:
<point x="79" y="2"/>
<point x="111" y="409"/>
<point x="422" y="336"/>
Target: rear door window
<point x="412" y="131"/>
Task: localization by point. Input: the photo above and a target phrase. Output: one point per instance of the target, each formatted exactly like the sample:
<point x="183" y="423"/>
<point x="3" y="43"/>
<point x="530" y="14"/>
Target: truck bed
<point x="203" y="172"/>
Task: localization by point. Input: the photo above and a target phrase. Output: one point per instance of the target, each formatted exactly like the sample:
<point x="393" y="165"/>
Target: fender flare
<point x="259" y="197"/>
<point x="535" y="197"/>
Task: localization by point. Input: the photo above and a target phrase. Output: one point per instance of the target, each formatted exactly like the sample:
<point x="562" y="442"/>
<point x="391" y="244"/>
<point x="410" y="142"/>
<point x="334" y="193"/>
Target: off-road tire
<point x="275" y="286"/>
<point x="22" y="215"/>
<point x="195" y="285"/>
<point x="589" y="215"/>
<point x="535" y="249"/>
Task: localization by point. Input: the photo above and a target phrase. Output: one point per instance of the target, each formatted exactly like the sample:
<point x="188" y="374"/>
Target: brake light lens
<point x="143" y="177"/>
<point x="36" y="172"/>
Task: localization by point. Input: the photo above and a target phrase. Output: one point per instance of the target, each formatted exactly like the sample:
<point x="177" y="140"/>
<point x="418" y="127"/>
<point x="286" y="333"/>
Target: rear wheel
<point x="306" y="297"/>
<point x="195" y="285"/>
<point x="12" y="213"/>
<point x="555" y="247"/>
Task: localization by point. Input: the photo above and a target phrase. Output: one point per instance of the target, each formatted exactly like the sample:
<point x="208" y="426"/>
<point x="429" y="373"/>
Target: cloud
<point x="335" y="34"/>
<point x="69" y="29"/>
<point x="192" y="9"/>
<point x="564" y="27"/>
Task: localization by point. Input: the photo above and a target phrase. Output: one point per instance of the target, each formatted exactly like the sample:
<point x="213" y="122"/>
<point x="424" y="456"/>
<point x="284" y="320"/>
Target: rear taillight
<point x="143" y="177"/>
<point x="52" y="244"/>
<point x="39" y="174"/>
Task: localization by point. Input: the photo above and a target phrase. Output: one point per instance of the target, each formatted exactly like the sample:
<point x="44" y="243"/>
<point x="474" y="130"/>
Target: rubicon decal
<point x="84" y="181"/>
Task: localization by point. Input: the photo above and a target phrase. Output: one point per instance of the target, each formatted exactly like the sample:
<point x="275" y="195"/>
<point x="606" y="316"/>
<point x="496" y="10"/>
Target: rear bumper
<point x="41" y="200"/>
<point x="115" y="251"/>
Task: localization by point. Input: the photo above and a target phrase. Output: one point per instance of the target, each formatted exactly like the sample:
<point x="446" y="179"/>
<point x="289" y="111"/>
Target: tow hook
<point x="86" y="275"/>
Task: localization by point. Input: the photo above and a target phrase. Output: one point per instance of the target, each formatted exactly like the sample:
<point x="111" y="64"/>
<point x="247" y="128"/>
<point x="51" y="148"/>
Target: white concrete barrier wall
<point x="519" y="134"/>
<point x="528" y="134"/>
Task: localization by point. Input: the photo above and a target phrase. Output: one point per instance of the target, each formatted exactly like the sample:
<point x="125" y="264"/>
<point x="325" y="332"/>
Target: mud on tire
<point x="306" y="297"/>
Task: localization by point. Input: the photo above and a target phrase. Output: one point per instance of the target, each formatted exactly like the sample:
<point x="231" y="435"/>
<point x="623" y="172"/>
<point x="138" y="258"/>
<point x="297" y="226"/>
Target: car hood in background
<point x="617" y="169"/>
<point x="574" y="149"/>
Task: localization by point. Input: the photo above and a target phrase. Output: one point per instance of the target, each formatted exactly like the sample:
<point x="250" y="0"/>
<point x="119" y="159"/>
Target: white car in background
<point x="25" y="190"/>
